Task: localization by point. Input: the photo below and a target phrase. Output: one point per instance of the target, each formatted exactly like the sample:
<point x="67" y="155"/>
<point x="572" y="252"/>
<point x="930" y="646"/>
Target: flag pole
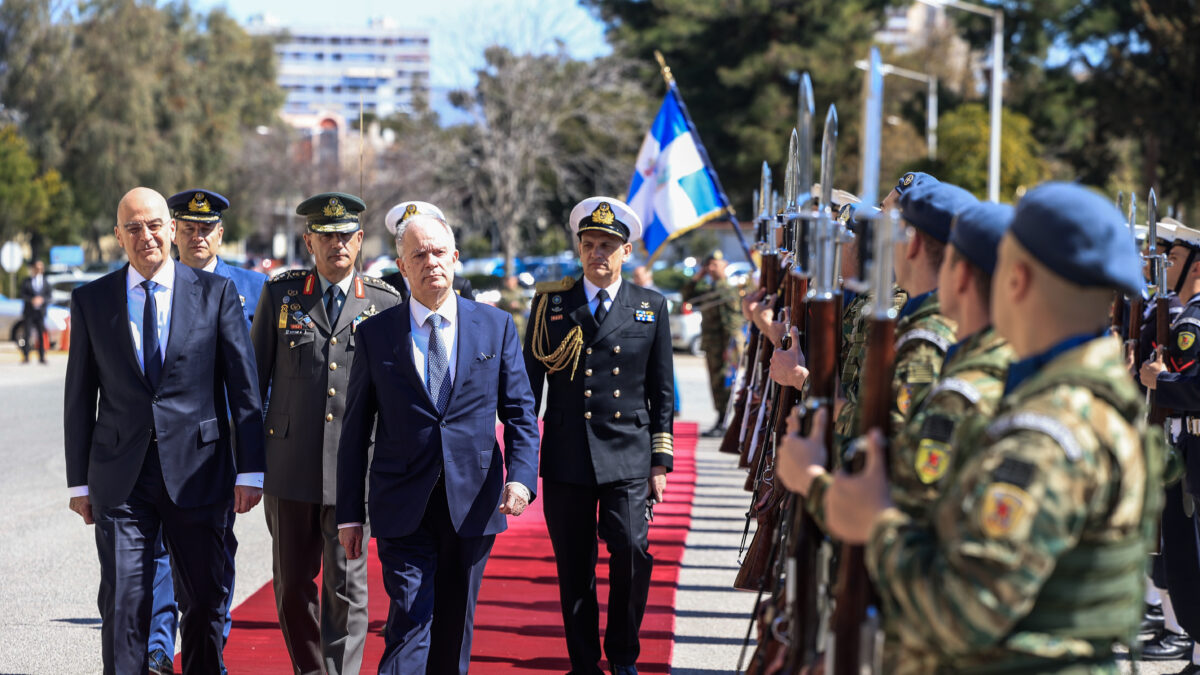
<point x="673" y="89"/>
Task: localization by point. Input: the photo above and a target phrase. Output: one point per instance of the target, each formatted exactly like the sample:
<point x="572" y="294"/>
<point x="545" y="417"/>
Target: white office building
<point x="327" y="69"/>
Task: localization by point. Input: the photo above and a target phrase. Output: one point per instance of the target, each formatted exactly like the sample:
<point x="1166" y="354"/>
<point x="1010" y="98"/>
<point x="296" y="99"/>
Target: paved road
<point x="50" y="574"/>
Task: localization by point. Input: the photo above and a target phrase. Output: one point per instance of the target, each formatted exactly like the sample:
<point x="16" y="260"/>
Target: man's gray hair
<point x="402" y="227"/>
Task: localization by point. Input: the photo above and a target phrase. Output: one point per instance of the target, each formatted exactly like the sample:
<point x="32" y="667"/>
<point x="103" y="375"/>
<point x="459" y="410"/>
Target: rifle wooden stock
<point x="806" y="537"/>
<point x="854" y="591"/>
<point x="770" y="281"/>
<point x="1117" y="315"/>
<point x="733" y="432"/>
<point x="753" y="574"/>
<point x="1134" y="334"/>
<point x="1162" y="330"/>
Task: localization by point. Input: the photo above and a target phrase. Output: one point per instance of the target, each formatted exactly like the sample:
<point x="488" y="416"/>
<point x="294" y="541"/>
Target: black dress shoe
<point x="1189" y="669"/>
<point x="1167" y="646"/>
<point x="624" y="670"/>
<point x="1152" y="622"/>
<point x="715" y="432"/>
<point x="160" y="663"/>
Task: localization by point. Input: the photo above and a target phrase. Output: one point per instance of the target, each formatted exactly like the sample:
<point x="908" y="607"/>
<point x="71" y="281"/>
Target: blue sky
<point x="459" y="29"/>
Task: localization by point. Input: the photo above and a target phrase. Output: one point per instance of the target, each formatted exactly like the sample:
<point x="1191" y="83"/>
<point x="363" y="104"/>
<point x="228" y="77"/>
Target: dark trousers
<point x="164" y="618"/>
<point x="35" y="323"/>
<point x="432" y="577"/>
<point x="571" y="518"/>
<point x="1181" y="560"/>
<point x="126" y="536"/>
<point x="325" y="636"/>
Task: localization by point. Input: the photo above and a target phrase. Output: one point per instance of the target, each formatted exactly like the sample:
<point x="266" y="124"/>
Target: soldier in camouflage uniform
<point x="720" y="329"/>
<point x="972" y="375"/>
<point x="1033" y="558"/>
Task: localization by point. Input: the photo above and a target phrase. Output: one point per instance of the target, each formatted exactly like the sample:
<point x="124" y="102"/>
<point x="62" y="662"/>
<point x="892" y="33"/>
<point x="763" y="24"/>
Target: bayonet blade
<point x="791" y="181"/>
<point x="807" y="111"/>
<point x="828" y="156"/>
<point x="872" y="129"/>
<point x="1152" y="222"/>
<point x="764" y="193"/>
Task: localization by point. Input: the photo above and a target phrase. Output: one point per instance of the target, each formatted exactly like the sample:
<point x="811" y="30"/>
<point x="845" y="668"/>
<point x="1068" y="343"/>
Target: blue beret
<point x="913" y="179"/>
<point x="977" y="232"/>
<point x="1079" y="235"/>
<point x="932" y="207"/>
<point x="201" y="206"/>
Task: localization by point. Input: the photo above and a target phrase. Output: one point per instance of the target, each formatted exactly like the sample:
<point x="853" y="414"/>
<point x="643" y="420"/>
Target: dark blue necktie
<point x="437" y="365"/>
<point x="151" y="355"/>
<point x="333" y="308"/>
<point x="601" y="310"/>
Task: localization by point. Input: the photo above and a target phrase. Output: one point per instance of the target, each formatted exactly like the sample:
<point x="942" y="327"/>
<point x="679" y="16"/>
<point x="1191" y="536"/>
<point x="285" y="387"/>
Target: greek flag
<point x="674" y="187"/>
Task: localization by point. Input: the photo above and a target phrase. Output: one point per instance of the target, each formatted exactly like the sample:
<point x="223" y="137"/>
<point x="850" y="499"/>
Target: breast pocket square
<point x="484" y="357"/>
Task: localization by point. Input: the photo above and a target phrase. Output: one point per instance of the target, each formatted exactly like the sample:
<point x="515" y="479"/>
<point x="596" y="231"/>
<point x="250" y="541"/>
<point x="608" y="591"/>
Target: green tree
<point x="30" y="202"/>
<point x="737" y="63"/>
<point x="119" y="93"/>
<point x="963" y="147"/>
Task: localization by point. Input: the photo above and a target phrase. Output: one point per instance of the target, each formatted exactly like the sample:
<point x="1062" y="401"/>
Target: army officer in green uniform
<point x="303" y="336"/>
<point x="720" y="329"/>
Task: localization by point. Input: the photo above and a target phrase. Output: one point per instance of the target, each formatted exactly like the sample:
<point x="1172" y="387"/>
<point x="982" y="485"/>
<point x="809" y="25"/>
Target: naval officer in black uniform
<point x="604" y="347"/>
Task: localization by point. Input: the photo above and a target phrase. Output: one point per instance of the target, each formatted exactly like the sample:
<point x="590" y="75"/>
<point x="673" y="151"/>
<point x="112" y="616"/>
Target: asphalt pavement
<point x="50" y="574"/>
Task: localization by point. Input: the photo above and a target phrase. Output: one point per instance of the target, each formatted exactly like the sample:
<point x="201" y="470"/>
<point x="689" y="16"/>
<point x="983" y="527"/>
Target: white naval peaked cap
<point x="1182" y="234"/>
<point x="405" y="210"/>
<point x="608" y="215"/>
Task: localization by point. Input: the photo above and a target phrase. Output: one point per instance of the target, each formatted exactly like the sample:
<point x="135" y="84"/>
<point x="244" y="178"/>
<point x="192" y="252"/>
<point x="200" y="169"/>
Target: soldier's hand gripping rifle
<point x="755" y="419"/>
<point x="1162" y="301"/>
<point x="806" y="573"/>
<point x="856" y="637"/>
<point x="754" y="571"/>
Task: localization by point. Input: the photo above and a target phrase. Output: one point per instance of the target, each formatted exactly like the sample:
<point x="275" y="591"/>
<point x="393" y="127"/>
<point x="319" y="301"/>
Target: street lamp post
<point x="997" y="15"/>
<point x="931" y="99"/>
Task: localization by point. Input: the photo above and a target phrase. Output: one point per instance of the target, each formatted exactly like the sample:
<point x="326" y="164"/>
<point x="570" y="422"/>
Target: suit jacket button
<point x="333" y="340"/>
<point x="616" y="371"/>
<point x="443" y="425"/>
<point x="589" y="350"/>
<point x="293" y="343"/>
<point x="587" y="393"/>
<point x="617" y="394"/>
<point x="588" y="372"/>
<point x="617" y="415"/>
<point x="617" y="349"/>
<point x="332" y="391"/>
<point x="329" y="417"/>
<point x="333" y="366"/>
<point x="270" y="432"/>
<point x="587" y="415"/>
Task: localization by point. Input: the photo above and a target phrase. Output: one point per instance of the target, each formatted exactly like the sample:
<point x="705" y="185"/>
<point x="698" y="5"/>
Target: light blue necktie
<point x="437" y="370"/>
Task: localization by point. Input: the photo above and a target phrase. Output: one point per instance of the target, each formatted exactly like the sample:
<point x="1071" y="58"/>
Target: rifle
<point x="806" y="572"/>
<point x="1117" y="314"/>
<point x="1133" y="337"/>
<point x="854" y="617"/>
<point x="762" y="362"/>
<point x="1162" y="304"/>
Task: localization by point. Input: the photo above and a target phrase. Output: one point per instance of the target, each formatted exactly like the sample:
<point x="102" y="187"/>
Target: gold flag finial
<point x="666" y="70"/>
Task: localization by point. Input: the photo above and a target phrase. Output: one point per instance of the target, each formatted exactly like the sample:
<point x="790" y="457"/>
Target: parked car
<point x="12" y="320"/>
<point x="685" y="325"/>
<point x="61" y="285"/>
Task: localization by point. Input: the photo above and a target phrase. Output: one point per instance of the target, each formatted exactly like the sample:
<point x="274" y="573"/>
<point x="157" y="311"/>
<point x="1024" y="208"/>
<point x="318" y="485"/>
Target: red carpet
<point x="518" y="624"/>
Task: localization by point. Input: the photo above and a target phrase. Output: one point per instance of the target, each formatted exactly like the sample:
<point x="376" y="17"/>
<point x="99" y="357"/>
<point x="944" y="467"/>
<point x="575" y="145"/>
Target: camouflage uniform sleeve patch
<point x="933" y="451"/>
<point x="958" y="386"/>
<point x="923" y="334"/>
<point x="1029" y="421"/>
<point x="1006" y="509"/>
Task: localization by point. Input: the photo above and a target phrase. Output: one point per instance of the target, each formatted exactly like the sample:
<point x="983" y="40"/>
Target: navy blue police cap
<point x="1078" y="235"/>
<point x="201" y="206"/>
<point x="977" y="232"/>
<point x="932" y="207"/>
<point x="913" y="179"/>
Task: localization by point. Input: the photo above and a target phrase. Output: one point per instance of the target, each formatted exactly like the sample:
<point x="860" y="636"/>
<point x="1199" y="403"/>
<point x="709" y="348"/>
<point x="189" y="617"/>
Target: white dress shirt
<point x="211" y="266"/>
<point x="591" y="290"/>
<point x="418" y="321"/>
<point x="135" y="304"/>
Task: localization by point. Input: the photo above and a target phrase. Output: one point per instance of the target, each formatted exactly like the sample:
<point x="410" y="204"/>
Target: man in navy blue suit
<point x="198" y="235"/>
<point x="160" y="364"/>
<point x="434" y="373"/>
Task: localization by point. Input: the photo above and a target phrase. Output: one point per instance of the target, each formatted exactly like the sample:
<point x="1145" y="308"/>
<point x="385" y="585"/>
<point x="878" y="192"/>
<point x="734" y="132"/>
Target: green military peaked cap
<point x="332" y="212"/>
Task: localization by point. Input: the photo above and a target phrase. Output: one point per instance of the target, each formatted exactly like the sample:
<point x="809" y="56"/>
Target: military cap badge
<point x="199" y="204"/>
<point x="334" y="209"/>
<point x="410" y="210"/>
<point x="603" y="214"/>
<point x="908" y="179"/>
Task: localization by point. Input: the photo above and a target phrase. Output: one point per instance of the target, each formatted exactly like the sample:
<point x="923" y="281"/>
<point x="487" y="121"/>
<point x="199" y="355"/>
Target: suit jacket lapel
<point x="184" y="303"/>
<point x="402" y="351"/>
<point x="619" y="314"/>
<point x="314" y="304"/>
<point x="466" y="341"/>
<point x="352" y="306"/>
<point x="581" y="315"/>
<point x="120" y="321"/>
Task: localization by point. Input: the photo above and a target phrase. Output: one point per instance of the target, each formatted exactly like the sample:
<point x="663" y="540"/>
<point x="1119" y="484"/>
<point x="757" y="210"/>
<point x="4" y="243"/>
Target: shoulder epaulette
<point x="560" y="286"/>
<point x="1044" y="424"/>
<point x="941" y="343"/>
<point x="289" y="275"/>
<point x="376" y="282"/>
<point x="958" y="386"/>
